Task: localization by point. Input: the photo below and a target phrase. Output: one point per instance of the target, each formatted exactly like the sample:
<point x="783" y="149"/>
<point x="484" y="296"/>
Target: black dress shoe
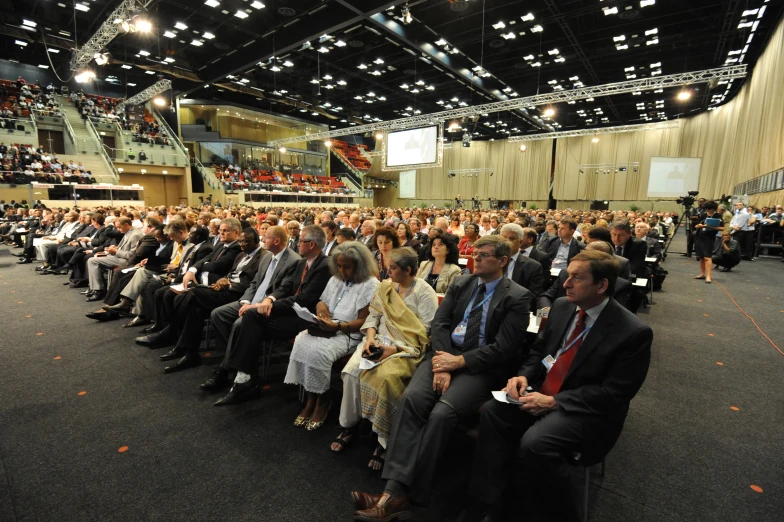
<point x="157" y="339"/>
<point x="40" y="268"/>
<point x="171" y="355"/>
<point x="102" y="316"/>
<point x="80" y="284"/>
<point x="240" y="393"/>
<point x="189" y="361"/>
<point x="218" y="380"/>
<point x="124" y="305"/>
<point x="136" y="321"/>
<point x="97" y="296"/>
<point x="24" y="261"/>
<point x="153" y="329"/>
<point x="87" y="292"/>
<point x="62" y="271"/>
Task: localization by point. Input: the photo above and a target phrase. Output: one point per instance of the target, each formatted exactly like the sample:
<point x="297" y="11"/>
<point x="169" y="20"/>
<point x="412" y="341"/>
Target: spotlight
<point x="282" y="150"/>
<point x="684" y="95"/>
<point x="406" y="14"/>
<point x="379" y="135"/>
<point x="160" y="102"/>
<point x="523" y="147"/>
<point x="84" y="77"/>
<point x="328" y="143"/>
<point x="595" y="139"/>
<point x="101" y="58"/>
<point x="549" y="112"/>
<point x="143" y="26"/>
<point x="453" y="127"/>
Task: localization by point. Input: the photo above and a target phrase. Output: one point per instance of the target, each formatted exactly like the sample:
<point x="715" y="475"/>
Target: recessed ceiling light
<point x="340" y="43"/>
<point x="144" y="53"/>
<point x="169" y="34"/>
<point x="126" y="66"/>
<point x="241" y="14"/>
<point x="82" y="7"/>
<point x="212" y="3"/>
<point x="43" y="66"/>
<point x="197" y="43"/>
<point x="168" y="59"/>
<point x="181" y="26"/>
<point x="149" y="72"/>
<point x="527" y="18"/>
<point x="288" y="64"/>
<point x="28" y="23"/>
<point x="131" y="84"/>
<point x="20" y="42"/>
<point x="537" y="29"/>
<point x="55" y="51"/>
<point x="208" y="36"/>
<point x="257" y="5"/>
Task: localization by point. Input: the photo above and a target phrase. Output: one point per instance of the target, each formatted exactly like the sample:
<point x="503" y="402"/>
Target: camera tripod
<point x="688" y="232"/>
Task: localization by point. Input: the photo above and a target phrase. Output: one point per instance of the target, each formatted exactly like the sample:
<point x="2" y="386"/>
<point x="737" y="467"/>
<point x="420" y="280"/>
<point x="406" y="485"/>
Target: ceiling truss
<point x="644" y="84"/>
<point x="153" y="90"/>
<point x="592" y="132"/>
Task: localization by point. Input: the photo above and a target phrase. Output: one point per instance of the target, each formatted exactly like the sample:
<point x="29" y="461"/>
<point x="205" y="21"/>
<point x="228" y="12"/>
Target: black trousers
<point x="745" y="239"/>
<point x="725" y="261"/>
<point x="540" y="443"/>
<point x="244" y="350"/>
<point x="65" y="253"/>
<point x="164" y="304"/>
<point x="78" y="265"/>
<point x="29" y="249"/>
<point x="191" y="309"/>
<point x="424" y="425"/>
<point x="119" y="280"/>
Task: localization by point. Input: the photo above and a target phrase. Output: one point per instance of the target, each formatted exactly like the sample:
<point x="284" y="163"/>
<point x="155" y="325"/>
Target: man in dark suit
<point x="629" y="247"/>
<point x="292" y="227"/>
<point x="522" y="270"/>
<point x="151" y="300"/>
<point x="195" y="305"/>
<point x="623" y="288"/>
<point x="528" y="248"/>
<point x="273" y="271"/>
<point x="274" y="319"/>
<point x="562" y="251"/>
<point x="602" y="235"/>
<point x="478" y="337"/>
<point x="207" y="271"/>
<point x="330" y="228"/>
<point x="105" y="236"/>
<point x="586" y="366"/>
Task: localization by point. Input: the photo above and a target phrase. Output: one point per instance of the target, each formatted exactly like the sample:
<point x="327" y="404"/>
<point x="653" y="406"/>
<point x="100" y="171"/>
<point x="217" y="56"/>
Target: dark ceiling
<point x="338" y="62"/>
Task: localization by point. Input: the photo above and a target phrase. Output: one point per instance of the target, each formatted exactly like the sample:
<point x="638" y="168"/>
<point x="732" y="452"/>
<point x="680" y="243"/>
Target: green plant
<point x="634" y="208"/>
<point x="532" y="206"/>
<point x="448" y="205"/>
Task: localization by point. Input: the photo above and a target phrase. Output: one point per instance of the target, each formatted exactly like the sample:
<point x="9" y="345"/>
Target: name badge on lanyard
<point x="549" y="361"/>
<point x="460" y="329"/>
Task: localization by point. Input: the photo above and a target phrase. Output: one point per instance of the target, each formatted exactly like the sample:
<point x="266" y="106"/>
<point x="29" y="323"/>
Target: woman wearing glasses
<point x="440" y="267"/>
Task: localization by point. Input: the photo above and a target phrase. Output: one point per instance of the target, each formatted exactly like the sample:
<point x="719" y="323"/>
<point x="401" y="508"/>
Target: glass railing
<point x="146" y="157"/>
<point x="18" y="125"/>
<point x="101" y="150"/>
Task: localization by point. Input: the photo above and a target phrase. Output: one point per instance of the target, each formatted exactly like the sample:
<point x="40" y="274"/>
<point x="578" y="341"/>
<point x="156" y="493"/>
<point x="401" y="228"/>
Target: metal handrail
<point x="101" y="150"/>
<point x="171" y="134"/>
<point x="176" y="161"/>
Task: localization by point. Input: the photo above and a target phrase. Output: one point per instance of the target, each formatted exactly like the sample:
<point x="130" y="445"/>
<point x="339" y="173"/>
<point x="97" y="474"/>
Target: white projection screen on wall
<point x="412" y="147"/>
<point x="673" y="177"/>
<point x="407" y="184"/>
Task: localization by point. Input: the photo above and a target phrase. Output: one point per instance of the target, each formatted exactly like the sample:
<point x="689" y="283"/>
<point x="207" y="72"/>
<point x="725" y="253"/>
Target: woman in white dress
<point x="340" y="313"/>
<point x="398" y="324"/>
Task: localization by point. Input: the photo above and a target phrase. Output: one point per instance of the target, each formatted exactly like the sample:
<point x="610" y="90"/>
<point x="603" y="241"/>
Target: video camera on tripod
<point x="687" y="201"/>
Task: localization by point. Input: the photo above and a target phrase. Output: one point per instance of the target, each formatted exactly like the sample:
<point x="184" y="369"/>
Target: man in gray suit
<point x="585" y="368"/>
<point x="273" y="270"/>
<point x="478" y="337"/>
<point x="114" y="256"/>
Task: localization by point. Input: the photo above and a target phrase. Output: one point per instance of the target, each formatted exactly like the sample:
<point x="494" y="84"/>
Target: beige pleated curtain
<point x="742" y="140"/>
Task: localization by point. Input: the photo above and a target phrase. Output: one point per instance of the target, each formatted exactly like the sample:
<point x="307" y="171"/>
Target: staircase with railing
<point x="87" y="143"/>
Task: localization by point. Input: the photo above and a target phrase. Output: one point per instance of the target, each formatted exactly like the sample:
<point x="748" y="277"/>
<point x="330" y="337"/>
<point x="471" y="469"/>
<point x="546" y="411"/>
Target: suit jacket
<point x="106" y="236"/>
<point x="507" y="321"/>
<point x="144" y="249"/>
<point x="626" y="271"/>
<point x="127" y="246"/>
<point x="635" y="251"/>
<point x="529" y="274"/>
<point x="543" y="242"/>
<point x="157" y="261"/>
<point x="622" y="294"/>
<point x="248" y="271"/>
<point x="654" y="248"/>
<point x="285" y="267"/>
<point x="607" y="371"/>
<point x="543" y="258"/>
<point x="312" y="287"/>
<point x="574" y="248"/>
<point x="191" y="257"/>
<point x="218" y="263"/>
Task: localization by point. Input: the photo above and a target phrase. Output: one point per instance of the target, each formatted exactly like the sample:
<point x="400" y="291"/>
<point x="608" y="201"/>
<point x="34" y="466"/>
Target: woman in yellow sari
<point x="398" y="325"/>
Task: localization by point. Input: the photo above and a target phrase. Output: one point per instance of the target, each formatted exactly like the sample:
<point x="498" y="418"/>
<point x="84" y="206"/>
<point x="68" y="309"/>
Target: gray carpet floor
<point x="706" y="428"/>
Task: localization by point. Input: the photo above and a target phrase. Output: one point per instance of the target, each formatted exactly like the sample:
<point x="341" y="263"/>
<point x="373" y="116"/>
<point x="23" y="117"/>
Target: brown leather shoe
<point x="365" y="500"/>
<point x="394" y="508"/>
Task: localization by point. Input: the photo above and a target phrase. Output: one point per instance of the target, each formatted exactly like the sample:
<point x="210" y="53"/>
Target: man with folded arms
<point x="274" y="319"/>
<point x="273" y="271"/>
<point x="195" y="305"/>
<point x="478" y="337"/>
<point x="585" y="368"/>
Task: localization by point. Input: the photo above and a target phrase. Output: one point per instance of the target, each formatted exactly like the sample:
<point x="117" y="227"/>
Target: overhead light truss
<point x="470" y="172"/>
<point x="582" y="93"/>
<point x="596" y="131"/>
<point x="610" y="166"/>
<point x="153" y="90"/>
<point x="106" y="33"/>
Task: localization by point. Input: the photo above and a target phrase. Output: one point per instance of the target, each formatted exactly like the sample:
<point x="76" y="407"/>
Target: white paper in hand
<point x="304" y="313"/>
<point x="502" y="396"/>
<point x="366" y="364"/>
<point x="179" y="288"/>
<point x="131" y="269"/>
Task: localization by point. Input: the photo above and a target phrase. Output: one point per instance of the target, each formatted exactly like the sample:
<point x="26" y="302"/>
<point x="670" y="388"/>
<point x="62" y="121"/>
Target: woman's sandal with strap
<point x="344" y="439"/>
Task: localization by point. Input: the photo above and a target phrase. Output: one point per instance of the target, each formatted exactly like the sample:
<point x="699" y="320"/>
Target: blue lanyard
<point x="486" y="299"/>
<point x="566" y="348"/>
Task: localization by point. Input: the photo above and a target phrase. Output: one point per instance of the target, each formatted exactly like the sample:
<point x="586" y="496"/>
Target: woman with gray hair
<point x="396" y="338"/>
<point x="340" y="314"/>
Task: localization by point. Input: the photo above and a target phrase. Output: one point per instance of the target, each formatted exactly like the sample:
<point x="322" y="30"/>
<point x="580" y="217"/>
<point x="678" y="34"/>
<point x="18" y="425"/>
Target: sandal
<point x="314" y="425"/>
<point x="301" y="421"/>
<point x="344" y="439"/>
<point x="700" y="277"/>
<point x="377" y="459"/>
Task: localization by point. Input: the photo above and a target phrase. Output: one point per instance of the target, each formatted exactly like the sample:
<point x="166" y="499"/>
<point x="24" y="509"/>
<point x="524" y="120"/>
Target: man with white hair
<point x="641" y="230"/>
<point x="368" y="229"/>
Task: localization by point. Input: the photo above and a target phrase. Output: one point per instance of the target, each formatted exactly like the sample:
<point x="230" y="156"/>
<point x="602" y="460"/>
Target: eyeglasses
<point x="482" y="256"/>
<point x="304" y="241"/>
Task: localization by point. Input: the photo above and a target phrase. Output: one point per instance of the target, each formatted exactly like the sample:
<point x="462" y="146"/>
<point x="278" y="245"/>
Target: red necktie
<point x="302" y="280"/>
<point x="555" y="377"/>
